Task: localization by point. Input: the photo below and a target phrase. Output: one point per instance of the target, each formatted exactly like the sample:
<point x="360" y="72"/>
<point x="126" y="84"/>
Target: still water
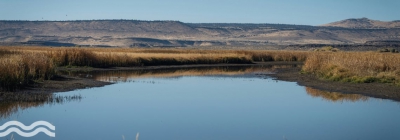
<point x="209" y="104"/>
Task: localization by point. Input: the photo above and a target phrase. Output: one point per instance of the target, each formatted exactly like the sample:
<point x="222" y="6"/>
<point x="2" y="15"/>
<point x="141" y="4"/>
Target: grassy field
<point x="21" y="66"/>
<point x="357" y="67"/>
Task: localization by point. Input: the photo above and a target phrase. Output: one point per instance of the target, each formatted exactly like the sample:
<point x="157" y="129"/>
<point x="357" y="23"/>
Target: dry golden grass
<point x="21" y="65"/>
<point x="359" y="67"/>
<point x="20" y="69"/>
<point x="96" y="57"/>
<point x="122" y="57"/>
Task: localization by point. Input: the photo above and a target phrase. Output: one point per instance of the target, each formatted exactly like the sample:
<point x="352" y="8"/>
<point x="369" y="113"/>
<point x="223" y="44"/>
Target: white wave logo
<point x="27" y="128"/>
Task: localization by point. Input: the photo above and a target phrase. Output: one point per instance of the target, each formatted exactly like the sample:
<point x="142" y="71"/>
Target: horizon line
<point x="1" y="20"/>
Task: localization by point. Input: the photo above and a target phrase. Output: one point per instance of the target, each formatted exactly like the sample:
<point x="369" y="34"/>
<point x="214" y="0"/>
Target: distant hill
<point x="364" y="23"/>
<point x="135" y="33"/>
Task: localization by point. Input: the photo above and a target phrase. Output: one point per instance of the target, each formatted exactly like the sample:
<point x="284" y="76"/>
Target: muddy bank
<point x="60" y="83"/>
<point x="377" y="90"/>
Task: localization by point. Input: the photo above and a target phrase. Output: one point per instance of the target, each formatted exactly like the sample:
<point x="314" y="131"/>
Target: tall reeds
<point x="103" y="57"/>
<point x="20" y="69"/>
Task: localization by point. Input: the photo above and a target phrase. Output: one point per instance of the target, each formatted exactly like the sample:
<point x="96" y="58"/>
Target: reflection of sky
<point x="209" y="108"/>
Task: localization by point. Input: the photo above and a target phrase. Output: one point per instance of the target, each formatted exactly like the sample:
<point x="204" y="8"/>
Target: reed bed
<point x="21" y="69"/>
<point x="358" y="67"/>
<point x="20" y="66"/>
<point x="98" y="57"/>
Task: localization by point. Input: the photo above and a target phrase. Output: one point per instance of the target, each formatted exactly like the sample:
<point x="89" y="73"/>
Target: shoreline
<point x="375" y="90"/>
<point x="64" y="83"/>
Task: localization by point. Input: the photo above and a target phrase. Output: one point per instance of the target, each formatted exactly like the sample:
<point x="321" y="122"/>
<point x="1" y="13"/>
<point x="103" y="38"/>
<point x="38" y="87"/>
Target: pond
<point x="219" y="103"/>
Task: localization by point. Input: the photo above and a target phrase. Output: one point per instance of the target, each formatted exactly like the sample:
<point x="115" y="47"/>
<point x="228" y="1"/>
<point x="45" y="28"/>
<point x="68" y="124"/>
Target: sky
<point x="301" y="12"/>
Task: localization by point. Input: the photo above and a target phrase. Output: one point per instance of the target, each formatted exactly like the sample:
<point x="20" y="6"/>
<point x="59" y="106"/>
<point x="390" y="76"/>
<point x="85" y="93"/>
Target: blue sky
<point x="307" y="12"/>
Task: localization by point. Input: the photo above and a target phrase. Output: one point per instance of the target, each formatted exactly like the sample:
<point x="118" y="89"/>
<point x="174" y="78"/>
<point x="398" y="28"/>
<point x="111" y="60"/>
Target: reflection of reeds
<point x="13" y="102"/>
<point x="123" y="76"/>
<point x="335" y="96"/>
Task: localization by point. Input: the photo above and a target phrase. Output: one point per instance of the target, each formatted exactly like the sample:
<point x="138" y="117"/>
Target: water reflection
<point x="231" y="107"/>
<point x="335" y="96"/>
<point x="12" y="102"/>
<point x="126" y="75"/>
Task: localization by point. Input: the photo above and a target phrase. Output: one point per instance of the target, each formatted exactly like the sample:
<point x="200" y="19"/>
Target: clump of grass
<point x="357" y="67"/>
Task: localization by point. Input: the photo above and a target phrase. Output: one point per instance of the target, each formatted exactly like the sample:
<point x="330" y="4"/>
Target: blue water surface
<point x="232" y="107"/>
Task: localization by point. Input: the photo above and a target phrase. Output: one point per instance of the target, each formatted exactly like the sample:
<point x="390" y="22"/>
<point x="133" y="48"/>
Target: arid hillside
<point x="134" y="33"/>
<point x="365" y="23"/>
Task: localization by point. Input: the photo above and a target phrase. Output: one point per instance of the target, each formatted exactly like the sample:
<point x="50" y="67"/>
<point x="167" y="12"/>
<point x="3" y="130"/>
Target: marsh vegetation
<point x="357" y="67"/>
<point x="21" y="66"/>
